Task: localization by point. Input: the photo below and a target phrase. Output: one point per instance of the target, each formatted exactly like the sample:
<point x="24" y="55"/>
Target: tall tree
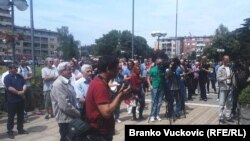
<point x="223" y="39"/>
<point x="107" y="44"/>
<point x="68" y="45"/>
<point x="243" y="36"/>
<point x="116" y="42"/>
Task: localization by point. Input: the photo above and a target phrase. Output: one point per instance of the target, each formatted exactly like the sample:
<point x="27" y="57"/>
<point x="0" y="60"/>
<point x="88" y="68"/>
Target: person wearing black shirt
<point x="203" y="72"/>
<point x="15" y="85"/>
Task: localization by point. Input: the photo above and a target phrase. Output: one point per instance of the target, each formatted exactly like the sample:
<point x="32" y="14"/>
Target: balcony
<point x="5" y="14"/>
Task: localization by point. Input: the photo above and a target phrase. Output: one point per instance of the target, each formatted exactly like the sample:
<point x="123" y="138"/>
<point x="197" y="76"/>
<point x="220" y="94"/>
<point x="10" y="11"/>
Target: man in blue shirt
<point x="15" y="86"/>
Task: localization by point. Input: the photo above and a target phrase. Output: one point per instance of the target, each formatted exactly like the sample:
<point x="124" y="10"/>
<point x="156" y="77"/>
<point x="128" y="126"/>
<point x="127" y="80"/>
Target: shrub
<point x="244" y="97"/>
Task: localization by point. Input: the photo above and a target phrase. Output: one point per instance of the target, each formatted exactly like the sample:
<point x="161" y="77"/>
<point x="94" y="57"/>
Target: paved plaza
<point x="197" y="113"/>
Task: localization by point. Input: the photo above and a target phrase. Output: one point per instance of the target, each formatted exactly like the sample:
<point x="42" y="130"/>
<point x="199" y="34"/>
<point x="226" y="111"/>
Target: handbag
<point x="77" y="128"/>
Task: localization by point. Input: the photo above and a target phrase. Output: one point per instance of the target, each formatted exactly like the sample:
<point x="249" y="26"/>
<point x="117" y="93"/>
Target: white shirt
<point x="48" y="72"/>
<point x="25" y="72"/>
<point x="3" y="76"/>
<point x="228" y="71"/>
<point x="81" y="87"/>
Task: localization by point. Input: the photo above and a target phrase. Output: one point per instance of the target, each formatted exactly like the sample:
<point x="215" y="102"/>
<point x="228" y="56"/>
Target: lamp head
<point x="21" y="5"/>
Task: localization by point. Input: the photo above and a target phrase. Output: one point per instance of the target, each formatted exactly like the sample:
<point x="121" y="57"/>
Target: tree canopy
<point x="223" y="39"/>
<point x="243" y="36"/>
<point x="119" y="44"/>
<point x="67" y="44"/>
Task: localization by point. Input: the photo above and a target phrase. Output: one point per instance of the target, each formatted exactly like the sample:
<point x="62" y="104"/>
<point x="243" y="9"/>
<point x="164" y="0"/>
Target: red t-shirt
<point x="99" y="93"/>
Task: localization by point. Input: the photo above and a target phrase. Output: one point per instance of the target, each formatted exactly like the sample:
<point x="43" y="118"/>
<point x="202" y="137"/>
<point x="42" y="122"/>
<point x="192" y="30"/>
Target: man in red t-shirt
<point x="100" y="106"/>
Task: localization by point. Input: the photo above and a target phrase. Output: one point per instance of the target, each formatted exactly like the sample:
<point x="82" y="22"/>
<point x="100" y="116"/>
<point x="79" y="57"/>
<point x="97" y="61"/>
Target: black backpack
<point x="172" y="77"/>
<point x="26" y="67"/>
<point x="77" y="130"/>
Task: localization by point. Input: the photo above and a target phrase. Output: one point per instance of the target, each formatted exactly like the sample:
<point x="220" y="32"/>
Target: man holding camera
<point x="224" y="75"/>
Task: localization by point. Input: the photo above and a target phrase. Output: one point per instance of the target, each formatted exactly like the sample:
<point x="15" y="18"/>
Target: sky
<point x="88" y="20"/>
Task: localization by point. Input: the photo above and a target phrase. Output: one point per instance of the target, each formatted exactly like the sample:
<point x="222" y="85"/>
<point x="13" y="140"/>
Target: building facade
<point x="183" y="47"/>
<point x="45" y="41"/>
<point x="196" y="44"/>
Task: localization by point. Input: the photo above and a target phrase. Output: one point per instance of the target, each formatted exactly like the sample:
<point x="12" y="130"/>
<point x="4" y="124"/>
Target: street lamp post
<point x="32" y="36"/>
<point x="133" y="17"/>
<point x="158" y="35"/>
<point x="176" y="24"/>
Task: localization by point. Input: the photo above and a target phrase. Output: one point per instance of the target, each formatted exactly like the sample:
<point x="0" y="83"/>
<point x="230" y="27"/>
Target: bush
<point x="244" y="97"/>
<point x="37" y="86"/>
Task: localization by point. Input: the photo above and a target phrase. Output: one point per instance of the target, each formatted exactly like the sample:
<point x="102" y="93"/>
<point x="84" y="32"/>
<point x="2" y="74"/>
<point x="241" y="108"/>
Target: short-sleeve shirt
<point x="99" y="93"/>
<point x="16" y="81"/>
<point x="203" y="74"/>
<point x="25" y="72"/>
<point x="156" y="77"/>
<point x="51" y="72"/>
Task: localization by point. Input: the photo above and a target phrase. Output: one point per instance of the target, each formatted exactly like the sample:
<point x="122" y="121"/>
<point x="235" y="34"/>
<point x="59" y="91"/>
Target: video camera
<point x="132" y="90"/>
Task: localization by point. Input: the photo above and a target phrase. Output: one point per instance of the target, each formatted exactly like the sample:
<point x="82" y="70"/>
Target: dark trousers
<point x="174" y="95"/>
<point x="213" y="81"/>
<point x="235" y="100"/>
<point x="144" y="84"/>
<point x="63" y="130"/>
<point x="191" y="89"/>
<point x="29" y="100"/>
<point x="202" y="83"/>
<point x="13" y="109"/>
<point x="142" y="103"/>
<point x="195" y="84"/>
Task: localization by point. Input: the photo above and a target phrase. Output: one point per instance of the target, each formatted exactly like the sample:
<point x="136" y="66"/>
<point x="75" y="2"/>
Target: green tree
<point x="115" y="42"/>
<point x="223" y="39"/>
<point x="107" y="44"/>
<point x="243" y="36"/>
<point x="68" y="46"/>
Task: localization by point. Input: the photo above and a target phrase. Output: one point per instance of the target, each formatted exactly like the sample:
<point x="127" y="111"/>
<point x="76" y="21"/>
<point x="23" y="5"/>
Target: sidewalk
<point x="41" y="129"/>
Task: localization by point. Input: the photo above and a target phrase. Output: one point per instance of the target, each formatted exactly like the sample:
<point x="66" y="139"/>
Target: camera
<point x="132" y="90"/>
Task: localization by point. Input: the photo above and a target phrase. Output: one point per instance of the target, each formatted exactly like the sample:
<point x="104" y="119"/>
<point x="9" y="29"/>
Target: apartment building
<point x="183" y="46"/>
<point x="196" y="44"/>
<point x="45" y="41"/>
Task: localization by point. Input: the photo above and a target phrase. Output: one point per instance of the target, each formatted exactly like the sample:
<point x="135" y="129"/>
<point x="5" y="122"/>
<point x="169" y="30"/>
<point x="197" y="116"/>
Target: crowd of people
<point x="93" y="91"/>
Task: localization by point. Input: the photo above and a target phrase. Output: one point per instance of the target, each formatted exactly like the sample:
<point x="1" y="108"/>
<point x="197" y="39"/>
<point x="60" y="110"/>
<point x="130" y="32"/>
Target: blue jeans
<point x="156" y="98"/>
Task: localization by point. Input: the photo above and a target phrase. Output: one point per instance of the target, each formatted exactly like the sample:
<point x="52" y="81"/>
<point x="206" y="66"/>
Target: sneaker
<point x="158" y="118"/>
<point x="141" y="118"/>
<point x="26" y="121"/>
<point x="47" y="117"/>
<point x="221" y="120"/>
<point x="134" y="119"/>
<point x="118" y="121"/>
<point x="137" y="111"/>
<point x="11" y="135"/>
<point x="52" y="116"/>
<point x="152" y="119"/>
<point x="23" y="132"/>
<point x="230" y="119"/>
